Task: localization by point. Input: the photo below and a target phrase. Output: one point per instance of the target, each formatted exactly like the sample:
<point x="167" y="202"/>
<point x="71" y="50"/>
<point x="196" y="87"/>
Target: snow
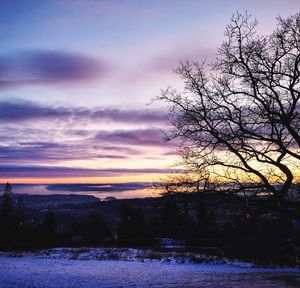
<point x="128" y="254"/>
<point x="171" y="243"/>
<point x="55" y="268"/>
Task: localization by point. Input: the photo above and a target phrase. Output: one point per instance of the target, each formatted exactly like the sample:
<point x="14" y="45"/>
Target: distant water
<point x="119" y="191"/>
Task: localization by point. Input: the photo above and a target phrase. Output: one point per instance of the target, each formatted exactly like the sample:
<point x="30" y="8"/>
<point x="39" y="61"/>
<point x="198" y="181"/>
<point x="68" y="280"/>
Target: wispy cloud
<point x="47" y="67"/>
<point x="42" y="152"/>
<point x="11" y="171"/>
<point x="143" y="137"/>
<point x="14" y="111"/>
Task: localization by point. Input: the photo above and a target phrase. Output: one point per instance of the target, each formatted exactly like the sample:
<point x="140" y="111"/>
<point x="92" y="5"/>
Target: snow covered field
<point x="56" y="269"/>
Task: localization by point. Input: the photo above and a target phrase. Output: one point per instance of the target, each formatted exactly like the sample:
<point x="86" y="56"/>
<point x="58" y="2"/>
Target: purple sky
<point x="77" y="79"/>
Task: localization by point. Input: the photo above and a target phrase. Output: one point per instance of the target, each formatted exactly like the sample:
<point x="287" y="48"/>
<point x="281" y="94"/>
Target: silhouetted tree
<point x="19" y="220"/>
<point x="93" y="229"/>
<point x="204" y="222"/>
<point x="6" y="205"/>
<point x="132" y="223"/>
<point x="124" y="229"/>
<point x="6" y="214"/>
<point x="171" y="219"/>
<point x="20" y="213"/>
<point x="239" y="117"/>
<point x="48" y="228"/>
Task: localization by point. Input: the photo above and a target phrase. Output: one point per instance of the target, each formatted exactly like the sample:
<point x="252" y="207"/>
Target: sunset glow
<point x="77" y="79"/>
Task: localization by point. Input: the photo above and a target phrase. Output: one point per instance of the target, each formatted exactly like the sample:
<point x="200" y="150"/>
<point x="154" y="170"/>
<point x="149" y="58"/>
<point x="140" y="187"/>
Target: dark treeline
<point x="200" y="220"/>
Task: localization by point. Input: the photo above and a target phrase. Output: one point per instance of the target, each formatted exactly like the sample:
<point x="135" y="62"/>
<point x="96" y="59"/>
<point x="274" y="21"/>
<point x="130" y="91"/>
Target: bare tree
<point x="239" y="117"/>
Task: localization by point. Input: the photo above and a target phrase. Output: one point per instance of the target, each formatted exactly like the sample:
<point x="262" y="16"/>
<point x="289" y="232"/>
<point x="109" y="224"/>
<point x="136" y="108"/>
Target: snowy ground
<point x="57" y="268"/>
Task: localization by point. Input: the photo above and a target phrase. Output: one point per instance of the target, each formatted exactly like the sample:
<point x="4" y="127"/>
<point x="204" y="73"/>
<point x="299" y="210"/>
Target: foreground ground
<point x="57" y="271"/>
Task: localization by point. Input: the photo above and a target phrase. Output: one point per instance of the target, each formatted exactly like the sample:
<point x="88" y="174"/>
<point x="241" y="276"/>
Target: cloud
<point x="20" y="110"/>
<point x="132" y="116"/>
<point x="111" y="156"/>
<point x="173" y="152"/>
<point x="143" y="137"/>
<point x="60" y="142"/>
<point x="47" y="67"/>
<point x="50" y="145"/>
<point x="50" y="151"/>
<point x="127" y="150"/>
<point x="27" y="110"/>
<point x="12" y="171"/>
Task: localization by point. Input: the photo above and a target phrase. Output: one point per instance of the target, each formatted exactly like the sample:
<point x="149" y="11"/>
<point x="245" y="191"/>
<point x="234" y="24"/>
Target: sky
<point x="77" y="79"/>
